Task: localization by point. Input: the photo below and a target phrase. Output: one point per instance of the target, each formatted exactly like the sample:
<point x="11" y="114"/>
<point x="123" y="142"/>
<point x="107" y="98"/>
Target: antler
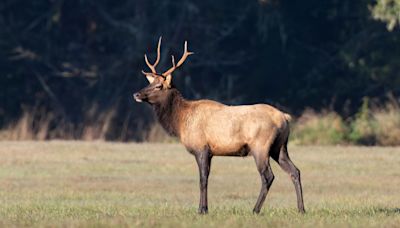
<point x="183" y="58"/>
<point x="153" y="66"/>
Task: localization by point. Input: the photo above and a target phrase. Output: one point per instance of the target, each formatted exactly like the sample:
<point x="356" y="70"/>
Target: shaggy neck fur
<point x="170" y="111"/>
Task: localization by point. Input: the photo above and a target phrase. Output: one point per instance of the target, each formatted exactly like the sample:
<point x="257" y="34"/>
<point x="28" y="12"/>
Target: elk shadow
<point x="389" y="211"/>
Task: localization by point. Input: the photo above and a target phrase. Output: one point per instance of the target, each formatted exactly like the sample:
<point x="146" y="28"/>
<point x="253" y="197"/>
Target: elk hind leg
<point x="283" y="159"/>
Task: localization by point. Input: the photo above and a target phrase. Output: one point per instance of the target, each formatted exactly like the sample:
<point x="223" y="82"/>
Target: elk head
<point x="159" y="84"/>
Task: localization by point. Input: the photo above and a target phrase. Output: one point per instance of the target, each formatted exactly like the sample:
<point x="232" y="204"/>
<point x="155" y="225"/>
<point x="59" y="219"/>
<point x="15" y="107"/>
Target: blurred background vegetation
<point x="68" y="68"/>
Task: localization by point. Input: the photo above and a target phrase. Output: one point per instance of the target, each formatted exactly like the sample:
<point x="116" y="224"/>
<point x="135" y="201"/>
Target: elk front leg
<point x="267" y="177"/>
<point x="204" y="162"/>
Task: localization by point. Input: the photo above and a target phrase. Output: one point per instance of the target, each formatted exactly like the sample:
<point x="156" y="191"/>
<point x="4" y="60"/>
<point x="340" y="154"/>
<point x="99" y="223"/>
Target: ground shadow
<point x="389" y="211"/>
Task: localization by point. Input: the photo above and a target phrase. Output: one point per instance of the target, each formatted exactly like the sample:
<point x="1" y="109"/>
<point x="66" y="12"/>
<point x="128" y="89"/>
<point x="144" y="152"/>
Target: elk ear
<point x="168" y="80"/>
<point x="150" y="79"/>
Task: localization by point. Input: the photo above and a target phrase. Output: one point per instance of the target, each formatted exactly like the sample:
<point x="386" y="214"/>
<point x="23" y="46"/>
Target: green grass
<point x="145" y="185"/>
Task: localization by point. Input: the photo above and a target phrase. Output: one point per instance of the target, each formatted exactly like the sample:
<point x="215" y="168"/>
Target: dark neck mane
<point x="170" y="111"/>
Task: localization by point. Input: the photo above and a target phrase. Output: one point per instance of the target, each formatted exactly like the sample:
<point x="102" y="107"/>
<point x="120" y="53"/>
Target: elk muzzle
<point x="138" y="97"/>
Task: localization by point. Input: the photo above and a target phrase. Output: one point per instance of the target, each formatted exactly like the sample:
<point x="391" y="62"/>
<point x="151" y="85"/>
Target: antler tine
<point x="146" y="73"/>
<point x="173" y="60"/>
<point x="183" y="58"/>
<point x="153" y="66"/>
<point x="185" y="54"/>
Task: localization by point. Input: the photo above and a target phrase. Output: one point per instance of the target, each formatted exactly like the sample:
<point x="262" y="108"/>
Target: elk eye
<point x="159" y="86"/>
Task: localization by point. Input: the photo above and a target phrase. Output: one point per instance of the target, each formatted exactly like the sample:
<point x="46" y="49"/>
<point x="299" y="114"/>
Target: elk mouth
<point x="137" y="98"/>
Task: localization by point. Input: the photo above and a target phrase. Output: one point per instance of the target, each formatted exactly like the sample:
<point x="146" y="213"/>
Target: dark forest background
<point x="68" y="68"/>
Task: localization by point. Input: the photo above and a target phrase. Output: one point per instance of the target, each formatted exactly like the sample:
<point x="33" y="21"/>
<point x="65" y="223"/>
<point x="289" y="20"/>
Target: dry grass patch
<point x="112" y="185"/>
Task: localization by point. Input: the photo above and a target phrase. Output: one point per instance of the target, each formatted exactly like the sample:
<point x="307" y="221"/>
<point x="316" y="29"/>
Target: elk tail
<point x="287" y="117"/>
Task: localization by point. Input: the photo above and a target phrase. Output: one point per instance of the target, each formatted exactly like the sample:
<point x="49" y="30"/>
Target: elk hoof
<point x="255" y="211"/>
<point x="302" y="211"/>
<point x="203" y="210"/>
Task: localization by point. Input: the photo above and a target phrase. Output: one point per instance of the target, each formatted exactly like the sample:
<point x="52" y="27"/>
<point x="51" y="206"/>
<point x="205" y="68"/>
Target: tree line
<point x="69" y="68"/>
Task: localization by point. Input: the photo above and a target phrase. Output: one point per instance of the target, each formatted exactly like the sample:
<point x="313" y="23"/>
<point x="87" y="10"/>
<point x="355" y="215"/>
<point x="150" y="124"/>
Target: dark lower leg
<point x="204" y="162"/>
<point x="287" y="165"/>
<point x="267" y="177"/>
<point x="295" y="176"/>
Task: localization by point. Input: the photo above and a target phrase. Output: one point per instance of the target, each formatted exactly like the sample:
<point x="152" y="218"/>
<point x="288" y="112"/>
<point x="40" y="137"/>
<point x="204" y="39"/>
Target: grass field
<point x="144" y="185"/>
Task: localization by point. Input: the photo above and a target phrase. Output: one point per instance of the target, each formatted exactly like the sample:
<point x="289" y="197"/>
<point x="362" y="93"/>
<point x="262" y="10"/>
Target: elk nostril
<point x="136" y="97"/>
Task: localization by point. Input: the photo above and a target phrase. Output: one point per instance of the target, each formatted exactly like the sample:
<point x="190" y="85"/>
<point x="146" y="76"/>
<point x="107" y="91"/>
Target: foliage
<point x="369" y="126"/>
<point x="387" y="11"/>
<point x="311" y="128"/>
<point x="378" y="126"/>
<point x="363" y="127"/>
<point x="78" y="61"/>
<point x="388" y="125"/>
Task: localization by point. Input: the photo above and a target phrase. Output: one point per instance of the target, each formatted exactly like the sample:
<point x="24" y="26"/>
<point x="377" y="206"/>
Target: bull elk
<point x="208" y="128"/>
